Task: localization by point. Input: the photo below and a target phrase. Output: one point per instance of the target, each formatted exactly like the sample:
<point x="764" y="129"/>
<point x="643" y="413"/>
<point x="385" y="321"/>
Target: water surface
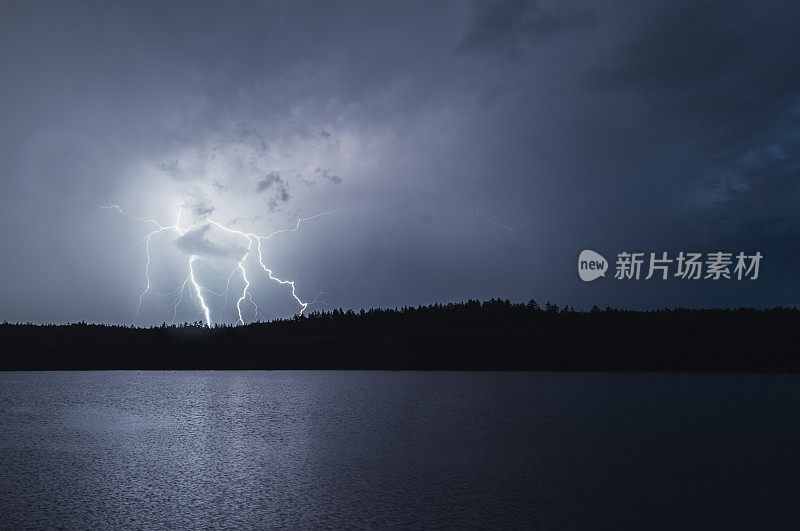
<point x="403" y="449"/>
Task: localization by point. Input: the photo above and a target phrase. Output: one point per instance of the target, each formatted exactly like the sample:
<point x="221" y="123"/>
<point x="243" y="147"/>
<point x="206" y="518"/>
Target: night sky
<point x="464" y="150"/>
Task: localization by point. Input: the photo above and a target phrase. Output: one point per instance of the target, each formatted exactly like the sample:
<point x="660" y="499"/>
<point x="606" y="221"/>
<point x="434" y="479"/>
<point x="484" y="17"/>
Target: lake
<point x="309" y="449"/>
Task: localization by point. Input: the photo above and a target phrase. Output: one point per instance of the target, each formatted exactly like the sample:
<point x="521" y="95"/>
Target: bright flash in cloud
<point x="198" y="292"/>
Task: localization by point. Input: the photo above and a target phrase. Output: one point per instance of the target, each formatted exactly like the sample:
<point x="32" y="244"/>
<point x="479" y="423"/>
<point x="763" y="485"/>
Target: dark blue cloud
<point x="617" y="127"/>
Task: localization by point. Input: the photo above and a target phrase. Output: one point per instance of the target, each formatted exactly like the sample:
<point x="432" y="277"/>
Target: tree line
<point x="473" y="335"/>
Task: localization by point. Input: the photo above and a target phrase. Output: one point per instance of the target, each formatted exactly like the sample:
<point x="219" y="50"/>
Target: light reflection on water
<point x="404" y="449"/>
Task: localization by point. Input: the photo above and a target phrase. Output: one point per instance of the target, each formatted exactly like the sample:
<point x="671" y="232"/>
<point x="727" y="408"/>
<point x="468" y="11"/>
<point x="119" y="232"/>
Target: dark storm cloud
<point x="244" y="132"/>
<point x="203" y="210"/>
<point x="728" y="67"/>
<point x="196" y="242"/>
<point x="270" y="180"/>
<point x="275" y="184"/>
<point x="615" y="126"/>
<point x="171" y="168"/>
<point x="510" y="26"/>
<point x="726" y="77"/>
<point x="325" y="173"/>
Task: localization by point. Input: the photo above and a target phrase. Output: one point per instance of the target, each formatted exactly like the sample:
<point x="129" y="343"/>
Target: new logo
<point x="591" y="265"/>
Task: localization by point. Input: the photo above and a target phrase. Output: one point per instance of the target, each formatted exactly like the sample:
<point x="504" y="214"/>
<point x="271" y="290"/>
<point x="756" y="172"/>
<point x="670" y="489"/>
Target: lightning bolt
<point x="244" y="278"/>
<point x="179" y="299"/>
<point x="254" y="241"/>
<point x="148" y="284"/>
<point x="199" y="290"/>
<point x="160" y="228"/>
<point x="491" y="219"/>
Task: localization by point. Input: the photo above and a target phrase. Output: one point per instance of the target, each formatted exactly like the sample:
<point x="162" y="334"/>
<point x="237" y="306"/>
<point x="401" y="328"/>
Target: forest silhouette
<point x="491" y="335"/>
